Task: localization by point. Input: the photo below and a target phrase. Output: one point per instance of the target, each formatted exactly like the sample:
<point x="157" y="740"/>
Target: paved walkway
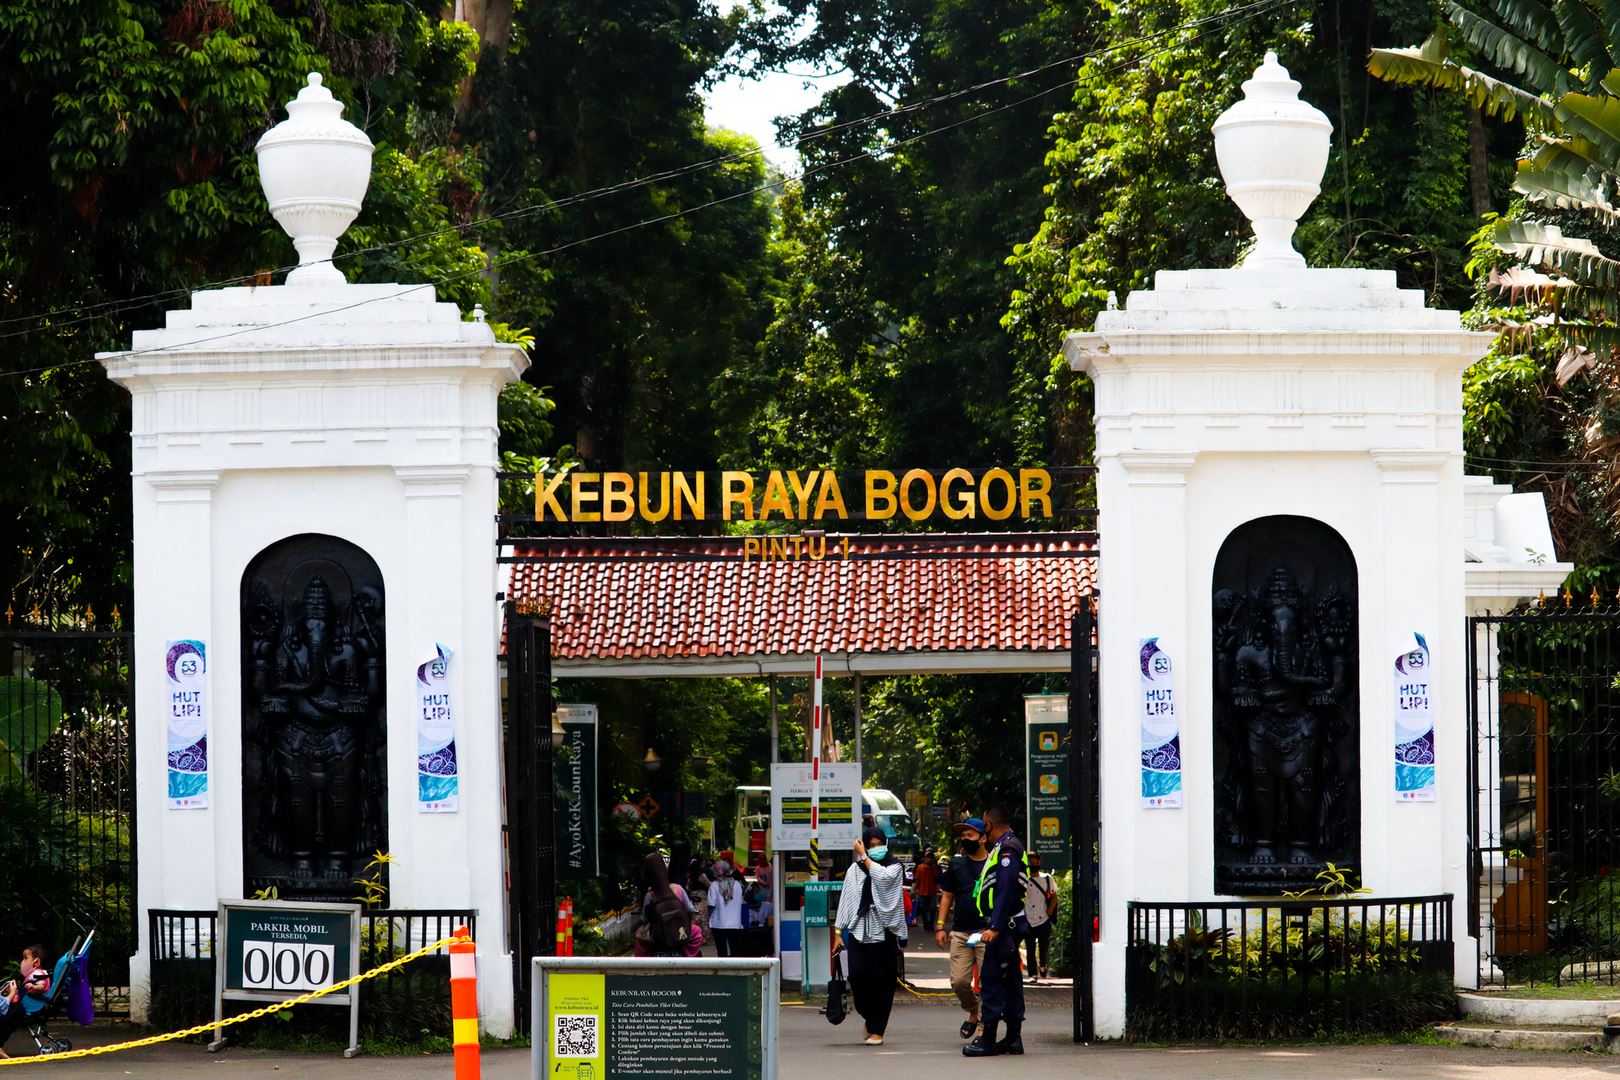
<point x="922" y="1045"/>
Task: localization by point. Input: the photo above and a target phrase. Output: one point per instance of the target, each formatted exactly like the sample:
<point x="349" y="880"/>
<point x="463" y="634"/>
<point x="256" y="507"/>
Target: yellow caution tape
<point x="203" y="1029"/>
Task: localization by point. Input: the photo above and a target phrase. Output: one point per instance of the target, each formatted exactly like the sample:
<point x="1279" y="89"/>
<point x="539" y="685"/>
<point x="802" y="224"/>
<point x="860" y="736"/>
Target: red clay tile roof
<point x="684" y="598"/>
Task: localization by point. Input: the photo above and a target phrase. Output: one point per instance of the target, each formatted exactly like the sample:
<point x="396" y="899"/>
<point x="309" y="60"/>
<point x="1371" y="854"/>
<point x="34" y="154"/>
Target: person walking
<point x="726" y="919"/>
<point x="871" y="929"/>
<point x="925" y="891"/>
<point x="1040" y="911"/>
<point x="999" y="898"/>
<point x="956" y="910"/>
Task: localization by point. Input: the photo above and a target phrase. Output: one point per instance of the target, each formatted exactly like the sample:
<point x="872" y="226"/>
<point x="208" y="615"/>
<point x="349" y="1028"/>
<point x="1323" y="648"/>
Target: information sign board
<point x="1046" y="731"/>
<point x="272" y="950"/>
<point x="624" y="1018"/>
<point x="790" y="806"/>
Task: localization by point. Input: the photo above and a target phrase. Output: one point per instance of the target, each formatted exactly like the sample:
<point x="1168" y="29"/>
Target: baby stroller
<point x="69" y="997"/>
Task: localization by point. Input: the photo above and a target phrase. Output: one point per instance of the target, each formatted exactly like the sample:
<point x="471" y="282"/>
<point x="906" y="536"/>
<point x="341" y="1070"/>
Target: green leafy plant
<point x="30" y="711"/>
<point x="373" y="882"/>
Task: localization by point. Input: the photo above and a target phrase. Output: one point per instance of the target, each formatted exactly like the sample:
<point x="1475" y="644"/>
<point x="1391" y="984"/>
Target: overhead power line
<point x="1231" y="15"/>
<point x="103" y="309"/>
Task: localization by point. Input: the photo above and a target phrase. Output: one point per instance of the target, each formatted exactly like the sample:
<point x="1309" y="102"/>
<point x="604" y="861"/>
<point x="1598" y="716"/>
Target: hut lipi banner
<point x="1414" y="726"/>
<point x="186" y="665"/>
<point x="438" y="781"/>
<point x="1161" y="731"/>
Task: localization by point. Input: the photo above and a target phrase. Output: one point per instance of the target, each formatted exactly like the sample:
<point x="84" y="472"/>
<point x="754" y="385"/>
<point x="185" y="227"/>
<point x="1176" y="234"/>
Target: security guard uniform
<point x="999" y="897"/>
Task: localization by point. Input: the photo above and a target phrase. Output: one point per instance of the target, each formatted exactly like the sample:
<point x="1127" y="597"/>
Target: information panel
<point x="1046" y="730"/>
<point x="646" y="1019"/>
<point x="270" y="950"/>
<point x="790" y="806"/>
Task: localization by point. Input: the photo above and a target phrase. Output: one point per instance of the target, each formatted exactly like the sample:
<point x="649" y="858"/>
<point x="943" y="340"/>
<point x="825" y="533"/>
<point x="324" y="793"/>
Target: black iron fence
<point x="399" y="1003"/>
<point x="1544" y="715"/>
<point x="1289" y="968"/>
<point x="67" y="835"/>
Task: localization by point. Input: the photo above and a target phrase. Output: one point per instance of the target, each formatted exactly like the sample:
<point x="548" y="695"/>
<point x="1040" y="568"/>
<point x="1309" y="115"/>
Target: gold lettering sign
<point x="814" y="495"/>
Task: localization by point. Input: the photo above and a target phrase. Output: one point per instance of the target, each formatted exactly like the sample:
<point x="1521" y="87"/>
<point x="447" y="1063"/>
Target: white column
<point x="1142" y="508"/>
<point x="179" y="849"/>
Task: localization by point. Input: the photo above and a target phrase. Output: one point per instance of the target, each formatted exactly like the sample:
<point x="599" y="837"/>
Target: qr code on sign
<point x="574" y="1036"/>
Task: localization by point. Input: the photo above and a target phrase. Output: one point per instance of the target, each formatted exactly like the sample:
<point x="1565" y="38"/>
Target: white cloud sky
<point x="751" y="106"/>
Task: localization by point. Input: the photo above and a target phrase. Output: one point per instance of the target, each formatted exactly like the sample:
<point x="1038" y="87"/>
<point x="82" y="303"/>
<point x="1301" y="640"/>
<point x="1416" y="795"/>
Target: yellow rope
<point x="921" y="994"/>
<point x="202" y="1029"/>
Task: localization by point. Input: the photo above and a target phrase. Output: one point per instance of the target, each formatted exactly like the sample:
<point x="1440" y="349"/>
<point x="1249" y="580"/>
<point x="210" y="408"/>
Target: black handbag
<point x="837" y="993"/>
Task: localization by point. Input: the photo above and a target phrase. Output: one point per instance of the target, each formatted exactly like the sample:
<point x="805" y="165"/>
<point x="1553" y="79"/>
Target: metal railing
<point x="69" y="686"/>
<point x="1544" y="722"/>
<point x="1269" y="969"/>
<point x="183" y="953"/>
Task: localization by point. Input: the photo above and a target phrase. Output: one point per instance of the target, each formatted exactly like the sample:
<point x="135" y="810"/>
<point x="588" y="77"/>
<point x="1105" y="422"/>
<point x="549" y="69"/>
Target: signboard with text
<point x="575" y="768"/>
<point x="618" y="1018"/>
<point x="790" y="806"/>
<point x="1046" y="731"/>
<point x="272" y="950"/>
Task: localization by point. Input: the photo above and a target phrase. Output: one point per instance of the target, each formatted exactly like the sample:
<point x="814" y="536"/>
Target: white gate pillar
<point x="1226" y="396"/>
<point x="364" y="413"/>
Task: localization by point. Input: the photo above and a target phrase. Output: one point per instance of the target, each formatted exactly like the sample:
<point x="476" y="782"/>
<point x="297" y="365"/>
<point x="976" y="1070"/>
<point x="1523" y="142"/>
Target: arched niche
<point x="314" y="717"/>
<point x="1286" y="706"/>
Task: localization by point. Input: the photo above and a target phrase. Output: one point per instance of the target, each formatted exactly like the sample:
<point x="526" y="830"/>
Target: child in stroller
<point x="39" y="995"/>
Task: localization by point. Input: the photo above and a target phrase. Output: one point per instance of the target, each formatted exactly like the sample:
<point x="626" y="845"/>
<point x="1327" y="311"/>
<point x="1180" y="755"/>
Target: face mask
<point x="878" y="854"/>
<point x="971" y="846"/>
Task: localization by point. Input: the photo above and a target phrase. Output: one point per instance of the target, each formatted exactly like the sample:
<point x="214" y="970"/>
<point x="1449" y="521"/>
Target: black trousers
<point x="873" y="970"/>
<point x="1001" y="984"/>
<point x="1040" y="937"/>
<point x="725" y="941"/>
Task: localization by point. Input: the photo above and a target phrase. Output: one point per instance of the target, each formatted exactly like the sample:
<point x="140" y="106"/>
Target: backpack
<point x="670" y="927"/>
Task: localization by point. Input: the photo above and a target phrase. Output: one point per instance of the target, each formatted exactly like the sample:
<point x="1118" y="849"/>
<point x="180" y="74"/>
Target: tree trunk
<point x="1479" y="187"/>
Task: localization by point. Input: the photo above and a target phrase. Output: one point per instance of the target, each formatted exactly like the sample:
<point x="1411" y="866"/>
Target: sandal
<point x="968" y="1028"/>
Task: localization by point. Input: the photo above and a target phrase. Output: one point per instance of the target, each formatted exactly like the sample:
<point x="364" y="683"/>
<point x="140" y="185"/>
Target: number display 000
<point x="287" y="965"/>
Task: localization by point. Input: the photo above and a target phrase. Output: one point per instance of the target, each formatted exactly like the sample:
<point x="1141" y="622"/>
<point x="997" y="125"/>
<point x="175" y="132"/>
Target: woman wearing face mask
<point x="871" y="927"/>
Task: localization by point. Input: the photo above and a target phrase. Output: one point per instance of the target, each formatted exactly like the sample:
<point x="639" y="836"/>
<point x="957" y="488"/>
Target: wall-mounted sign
<point x="1161" y="730"/>
<point x="575" y="768"/>
<point x="438" y="781"/>
<point x="186" y="668"/>
<point x="1046" y="778"/>
<point x="812" y="495"/>
<point x="272" y="950"/>
<point x="1414" y="726"/>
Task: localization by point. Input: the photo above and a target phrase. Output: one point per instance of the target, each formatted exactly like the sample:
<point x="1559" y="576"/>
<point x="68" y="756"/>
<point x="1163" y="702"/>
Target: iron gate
<point x="1544" y="722"/>
<point x="65" y="696"/>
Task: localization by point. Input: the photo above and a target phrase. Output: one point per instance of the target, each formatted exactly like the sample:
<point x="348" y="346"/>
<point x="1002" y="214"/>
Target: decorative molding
<point x="1421" y="466"/>
<point x="1157" y="468"/>
<point x="184" y="486"/>
<point x="1285" y="396"/>
<point x="433" y="481"/>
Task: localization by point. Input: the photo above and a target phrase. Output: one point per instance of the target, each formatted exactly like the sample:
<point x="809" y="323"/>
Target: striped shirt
<point x="888" y="910"/>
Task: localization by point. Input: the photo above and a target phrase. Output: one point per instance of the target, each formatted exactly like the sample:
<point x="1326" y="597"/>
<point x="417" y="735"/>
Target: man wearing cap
<point x="956" y="902"/>
<point x="999" y="897"/>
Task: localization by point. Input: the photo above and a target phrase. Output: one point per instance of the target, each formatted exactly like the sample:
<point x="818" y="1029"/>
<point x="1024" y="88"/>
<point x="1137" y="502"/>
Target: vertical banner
<point x="187" y="665"/>
<point x="577" y="804"/>
<point x="1046" y="778"/>
<point x="438" y="783"/>
<point x="1414" y="726"/>
<point x="1161" y="730"/>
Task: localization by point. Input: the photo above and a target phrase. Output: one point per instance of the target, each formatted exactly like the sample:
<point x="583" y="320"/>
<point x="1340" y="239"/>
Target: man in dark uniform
<point x="1000" y="898"/>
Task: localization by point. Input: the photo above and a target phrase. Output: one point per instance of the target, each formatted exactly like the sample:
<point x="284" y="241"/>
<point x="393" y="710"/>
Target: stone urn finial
<point x="314" y="167"/>
<point x="1272" y="149"/>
